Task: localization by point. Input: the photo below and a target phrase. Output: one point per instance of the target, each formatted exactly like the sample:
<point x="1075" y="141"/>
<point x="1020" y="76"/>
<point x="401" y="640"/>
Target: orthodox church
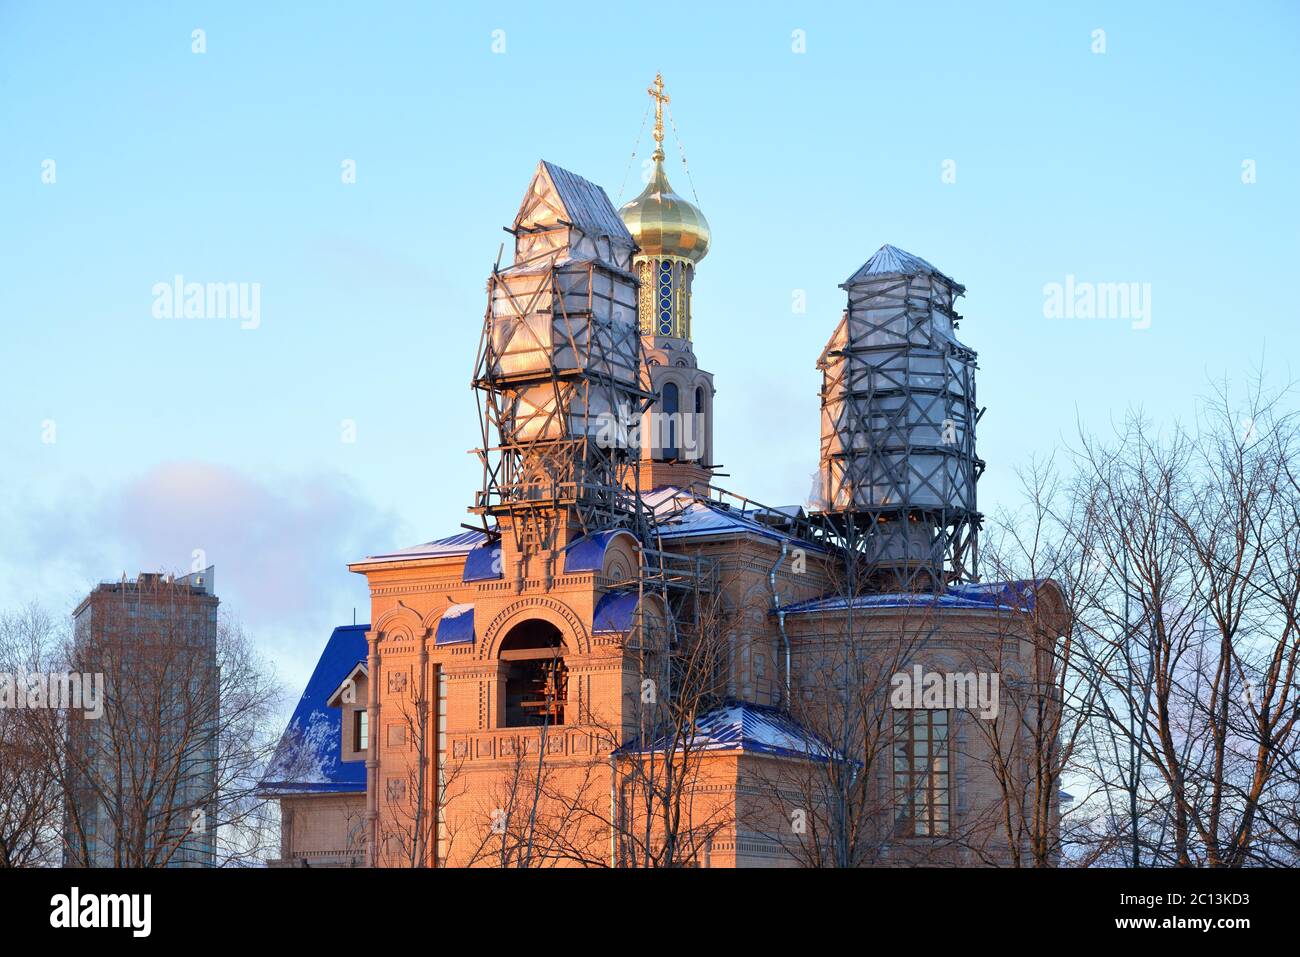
<point x="618" y="663"/>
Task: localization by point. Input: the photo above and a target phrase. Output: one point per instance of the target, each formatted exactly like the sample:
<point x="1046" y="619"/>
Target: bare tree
<point x="172" y="762"/>
<point x="30" y="799"/>
<point x="1182" y="585"/>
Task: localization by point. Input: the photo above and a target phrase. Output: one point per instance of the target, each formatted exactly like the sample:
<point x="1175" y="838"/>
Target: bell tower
<point x="672" y="237"/>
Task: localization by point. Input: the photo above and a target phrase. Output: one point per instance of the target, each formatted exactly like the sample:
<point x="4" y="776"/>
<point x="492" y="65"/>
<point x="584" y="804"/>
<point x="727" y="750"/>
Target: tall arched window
<point x="671" y="410"/>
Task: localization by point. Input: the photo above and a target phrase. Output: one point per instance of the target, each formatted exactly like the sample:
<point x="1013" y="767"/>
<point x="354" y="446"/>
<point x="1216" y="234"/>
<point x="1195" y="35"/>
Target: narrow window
<point x="671" y="409"/>
<point x="921" y="791"/>
<point x="701" y="453"/>
<point x="360" y="730"/>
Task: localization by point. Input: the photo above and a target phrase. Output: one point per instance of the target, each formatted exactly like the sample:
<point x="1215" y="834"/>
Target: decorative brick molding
<point x="536" y="606"/>
<point x="400" y="623"/>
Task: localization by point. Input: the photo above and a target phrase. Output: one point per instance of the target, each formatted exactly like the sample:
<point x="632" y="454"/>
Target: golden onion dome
<point x="664" y="224"/>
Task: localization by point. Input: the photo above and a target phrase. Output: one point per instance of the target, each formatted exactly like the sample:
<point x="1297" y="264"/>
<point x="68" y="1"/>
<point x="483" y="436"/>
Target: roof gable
<point x="358" y="670"/>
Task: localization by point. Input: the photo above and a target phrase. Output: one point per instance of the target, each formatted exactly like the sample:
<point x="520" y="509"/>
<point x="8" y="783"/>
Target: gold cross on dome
<point x="657" y="91"/>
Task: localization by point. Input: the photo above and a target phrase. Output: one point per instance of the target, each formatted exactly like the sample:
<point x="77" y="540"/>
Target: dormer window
<point x="351" y="698"/>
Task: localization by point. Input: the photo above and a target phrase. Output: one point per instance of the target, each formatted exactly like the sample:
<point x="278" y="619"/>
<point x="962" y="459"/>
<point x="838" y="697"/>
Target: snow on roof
<point x="998" y="596"/>
<point x="1020" y="593"/>
<point x="459" y="544"/>
<point x="682" y="514"/>
<point x="892" y="261"/>
<point x="308" y="758"/>
<point x="455" y="626"/>
<point x="752" y="728"/>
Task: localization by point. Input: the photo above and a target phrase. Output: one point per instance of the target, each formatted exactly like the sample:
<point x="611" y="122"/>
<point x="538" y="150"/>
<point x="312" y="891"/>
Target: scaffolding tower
<point x="898" y="466"/>
<point x="558" y="370"/>
<point x="559" y="377"/>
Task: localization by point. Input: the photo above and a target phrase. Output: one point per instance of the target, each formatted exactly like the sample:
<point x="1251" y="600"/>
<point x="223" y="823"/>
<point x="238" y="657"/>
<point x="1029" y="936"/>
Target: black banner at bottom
<point x="324" y="907"/>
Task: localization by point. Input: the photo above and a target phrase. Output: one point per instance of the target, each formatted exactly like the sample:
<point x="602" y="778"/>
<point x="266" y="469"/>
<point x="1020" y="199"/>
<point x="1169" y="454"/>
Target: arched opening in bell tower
<point x="536" y="678"/>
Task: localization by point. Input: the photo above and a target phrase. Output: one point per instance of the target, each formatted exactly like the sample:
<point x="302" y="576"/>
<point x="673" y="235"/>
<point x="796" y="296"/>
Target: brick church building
<point x="618" y="663"/>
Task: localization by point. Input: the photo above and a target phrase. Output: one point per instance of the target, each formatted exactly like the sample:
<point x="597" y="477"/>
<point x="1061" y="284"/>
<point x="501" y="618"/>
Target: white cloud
<point x="280" y="546"/>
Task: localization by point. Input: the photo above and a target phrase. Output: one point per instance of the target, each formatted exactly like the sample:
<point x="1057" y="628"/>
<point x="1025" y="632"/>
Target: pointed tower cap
<point x="892" y="261"/>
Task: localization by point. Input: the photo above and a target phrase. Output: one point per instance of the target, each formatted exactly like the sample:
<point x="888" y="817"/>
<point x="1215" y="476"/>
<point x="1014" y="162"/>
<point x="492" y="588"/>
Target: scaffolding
<point x="558" y="371"/>
<point x="560" y="386"/>
<point x="898" y="467"/>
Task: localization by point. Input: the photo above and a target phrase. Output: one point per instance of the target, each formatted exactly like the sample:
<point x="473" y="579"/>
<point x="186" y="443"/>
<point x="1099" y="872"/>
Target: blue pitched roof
<point x="682" y="514"/>
<point x="752" y="728"/>
<point x="308" y="758"/>
<point x="685" y="515"/>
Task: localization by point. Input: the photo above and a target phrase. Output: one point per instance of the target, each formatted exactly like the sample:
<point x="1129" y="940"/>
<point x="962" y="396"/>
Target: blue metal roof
<point x="1020" y="593"/>
<point x="752" y="728"/>
<point x="1001" y="596"/>
<point x="615" y="611"/>
<point x="483" y="563"/>
<point x="308" y="758"/>
<point x="587" y="554"/>
<point x="455" y="626"/>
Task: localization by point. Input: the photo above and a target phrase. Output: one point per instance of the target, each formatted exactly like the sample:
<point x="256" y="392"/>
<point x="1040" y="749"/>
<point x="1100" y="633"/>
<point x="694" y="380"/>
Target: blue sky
<point x="175" y="435"/>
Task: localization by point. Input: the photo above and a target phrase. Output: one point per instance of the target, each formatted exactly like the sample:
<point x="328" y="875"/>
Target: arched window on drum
<point x="671" y="411"/>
